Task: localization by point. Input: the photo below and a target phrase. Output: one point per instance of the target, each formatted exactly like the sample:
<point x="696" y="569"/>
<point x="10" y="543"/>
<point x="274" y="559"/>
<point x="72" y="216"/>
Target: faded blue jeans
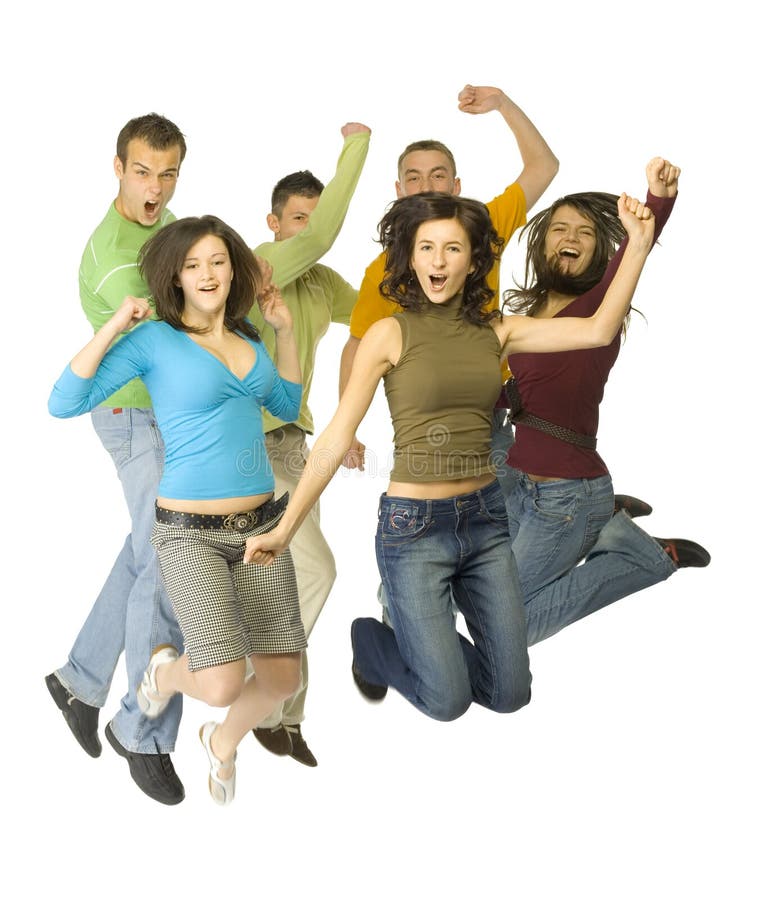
<point x="132" y="612"/>
<point x="554" y="525"/>
<point x="423" y="549"/>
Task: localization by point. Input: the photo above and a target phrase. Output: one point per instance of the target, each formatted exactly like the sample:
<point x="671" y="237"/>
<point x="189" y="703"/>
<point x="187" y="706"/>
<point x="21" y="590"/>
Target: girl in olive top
<point x="442" y="522"/>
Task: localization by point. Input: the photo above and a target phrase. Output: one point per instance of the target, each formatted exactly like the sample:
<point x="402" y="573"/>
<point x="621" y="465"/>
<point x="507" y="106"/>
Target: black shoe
<point x="631" y="506"/>
<point x="372" y="692"/>
<point x="80" y="717"/>
<point x="686" y="554"/>
<point x="275" y="740"/>
<point x="300" y="750"/>
<point x="153" y="773"/>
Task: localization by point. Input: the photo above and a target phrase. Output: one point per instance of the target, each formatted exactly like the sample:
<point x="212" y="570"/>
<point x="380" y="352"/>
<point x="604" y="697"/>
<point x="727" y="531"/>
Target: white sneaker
<point x="150" y="700"/>
<point x="222" y="789"/>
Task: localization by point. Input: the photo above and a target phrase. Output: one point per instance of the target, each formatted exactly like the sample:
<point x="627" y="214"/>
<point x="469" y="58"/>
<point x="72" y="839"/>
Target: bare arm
<point x="523" y="334"/>
<point x="540" y="163"/>
<point x="355" y="455"/>
<point x="382" y="340"/>
<point x="276" y="314"/>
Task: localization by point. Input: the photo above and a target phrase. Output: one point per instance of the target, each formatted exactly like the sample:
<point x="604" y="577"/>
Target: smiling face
<point x="205" y="279"/>
<point x="295" y="215"/>
<point x="147" y="181"/>
<point x="426" y="170"/>
<point x="570" y="241"/>
<point x="441" y="258"/>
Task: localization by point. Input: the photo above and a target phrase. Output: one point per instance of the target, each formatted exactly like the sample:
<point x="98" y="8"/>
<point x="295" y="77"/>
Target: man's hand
<point x="354" y="128"/>
<point x="476" y="100"/>
<point x="662" y="177"/>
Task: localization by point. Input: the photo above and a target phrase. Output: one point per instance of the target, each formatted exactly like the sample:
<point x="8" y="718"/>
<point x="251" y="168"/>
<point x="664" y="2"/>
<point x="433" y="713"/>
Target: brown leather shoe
<point x="276" y="740"/>
<point x="632" y="506"/>
<point x="684" y="553"/>
<point x="300" y="750"/>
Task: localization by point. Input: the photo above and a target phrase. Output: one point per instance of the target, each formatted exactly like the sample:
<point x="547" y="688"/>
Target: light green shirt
<point x="315" y="294"/>
<point x="109" y="272"/>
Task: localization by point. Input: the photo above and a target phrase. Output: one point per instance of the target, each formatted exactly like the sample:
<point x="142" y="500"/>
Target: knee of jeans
<point x="509" y="702"/>
<point x="450" y="707"/>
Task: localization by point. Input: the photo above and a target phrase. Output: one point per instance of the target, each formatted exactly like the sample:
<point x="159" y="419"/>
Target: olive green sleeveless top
<point x="441" y="394"/>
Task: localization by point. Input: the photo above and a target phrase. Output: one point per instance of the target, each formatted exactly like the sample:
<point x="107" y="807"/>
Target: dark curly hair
<point x="397" y="234"/>
<point x="162" y="257"/>
<point x="541" y="274"/>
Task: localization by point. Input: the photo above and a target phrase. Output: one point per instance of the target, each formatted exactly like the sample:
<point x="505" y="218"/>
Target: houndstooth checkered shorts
<point x="226" y="609"/>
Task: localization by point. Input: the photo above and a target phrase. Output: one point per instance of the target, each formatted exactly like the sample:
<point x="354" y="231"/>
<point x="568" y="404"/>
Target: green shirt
<point x="315" y="294"/>
<point x="107" y="274"/>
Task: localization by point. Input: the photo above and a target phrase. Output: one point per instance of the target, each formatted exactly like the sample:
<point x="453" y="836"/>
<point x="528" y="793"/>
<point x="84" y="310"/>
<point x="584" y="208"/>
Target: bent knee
<point x="448" y="708"/>
<point x="221" y="690"/>
<point x="283" y="679"/>
<point x="513" y="701"/>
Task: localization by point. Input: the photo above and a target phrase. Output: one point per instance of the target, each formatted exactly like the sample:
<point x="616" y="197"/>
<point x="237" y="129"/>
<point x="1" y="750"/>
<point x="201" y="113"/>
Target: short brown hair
<point x="425" y="145"/>
<point x="156" y="131"/>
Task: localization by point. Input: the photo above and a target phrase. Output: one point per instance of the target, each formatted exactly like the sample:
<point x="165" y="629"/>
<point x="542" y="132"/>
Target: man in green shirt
<point x="306" y="217"/>
<point x="132" y="612"/>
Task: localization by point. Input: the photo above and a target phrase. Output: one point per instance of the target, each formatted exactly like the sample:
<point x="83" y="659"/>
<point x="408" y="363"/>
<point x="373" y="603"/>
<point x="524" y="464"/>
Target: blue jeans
<point x="132" y="612"/>
<point x="425" y="548"/>
<point x="556" y="524"/>
<point x="502" y="439"/>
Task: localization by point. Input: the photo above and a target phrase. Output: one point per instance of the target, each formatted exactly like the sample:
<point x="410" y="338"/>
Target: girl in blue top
<point x="208" y="375"/>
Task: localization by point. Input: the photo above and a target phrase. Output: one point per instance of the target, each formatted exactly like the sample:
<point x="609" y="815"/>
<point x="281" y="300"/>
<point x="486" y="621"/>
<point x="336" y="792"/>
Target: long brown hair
<point x="397" y="233"/>
<point x="162" y="257"/>
<point x="541" y="276"/>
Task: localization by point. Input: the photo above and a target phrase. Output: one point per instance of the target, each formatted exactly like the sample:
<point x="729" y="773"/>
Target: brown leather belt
<point x="521" y="416"/>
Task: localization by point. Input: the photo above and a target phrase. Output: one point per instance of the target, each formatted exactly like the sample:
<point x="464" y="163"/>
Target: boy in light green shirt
<point x="306" y="218"/>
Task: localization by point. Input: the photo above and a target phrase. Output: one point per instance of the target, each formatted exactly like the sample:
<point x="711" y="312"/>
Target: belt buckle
<point x="240" y="521"/>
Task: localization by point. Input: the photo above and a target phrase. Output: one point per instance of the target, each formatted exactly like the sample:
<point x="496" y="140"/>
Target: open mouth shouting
<point x="437" y="282"/>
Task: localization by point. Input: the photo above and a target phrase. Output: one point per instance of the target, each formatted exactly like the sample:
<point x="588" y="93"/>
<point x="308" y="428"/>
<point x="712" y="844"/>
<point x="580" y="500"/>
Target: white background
<point x="631" y="774"/>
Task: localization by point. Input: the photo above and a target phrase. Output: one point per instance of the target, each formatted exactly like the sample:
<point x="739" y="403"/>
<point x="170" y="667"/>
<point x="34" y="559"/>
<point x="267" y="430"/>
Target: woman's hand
<point x="264" y="548"/>
<point x="274" y="310"/>
<point x="132" y="311"/>
<point x="638" y="221"/>
<point x="662" y="177"/>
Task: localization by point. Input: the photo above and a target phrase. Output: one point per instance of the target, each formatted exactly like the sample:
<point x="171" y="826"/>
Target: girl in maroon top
<point x="562" y="506"/>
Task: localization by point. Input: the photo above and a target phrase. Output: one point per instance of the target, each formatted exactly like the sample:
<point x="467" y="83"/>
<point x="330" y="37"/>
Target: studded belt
<point x="241" y="521"/>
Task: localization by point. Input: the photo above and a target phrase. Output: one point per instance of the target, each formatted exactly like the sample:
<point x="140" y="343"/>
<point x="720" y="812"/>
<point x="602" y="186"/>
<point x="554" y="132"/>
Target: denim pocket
<point x="402" y="521"/>
<point x="115" y="432"/>
<point x="494" y="510"/>
<point x="556" y="505"/>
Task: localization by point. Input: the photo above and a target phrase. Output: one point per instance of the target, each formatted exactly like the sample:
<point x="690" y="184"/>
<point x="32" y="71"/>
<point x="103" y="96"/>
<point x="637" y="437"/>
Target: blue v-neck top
<point x="210" y="420"/>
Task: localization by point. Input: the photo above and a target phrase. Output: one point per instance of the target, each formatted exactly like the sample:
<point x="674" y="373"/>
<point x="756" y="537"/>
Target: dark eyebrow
<point x="147" y="168"/>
